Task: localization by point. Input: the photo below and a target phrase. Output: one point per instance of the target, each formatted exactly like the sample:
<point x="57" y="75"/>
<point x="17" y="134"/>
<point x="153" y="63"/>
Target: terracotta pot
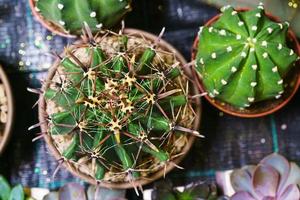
<point x="4" y="136"/>
<point x="120" y="185"/>
<point x="262" y="108"/>
<point x="50" y="26"/>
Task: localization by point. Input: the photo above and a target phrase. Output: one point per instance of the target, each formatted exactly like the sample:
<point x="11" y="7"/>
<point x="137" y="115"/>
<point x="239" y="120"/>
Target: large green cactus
<point x="71" y="14"/>
<point x="243" y="57"/>
<point x="122" y="106"/>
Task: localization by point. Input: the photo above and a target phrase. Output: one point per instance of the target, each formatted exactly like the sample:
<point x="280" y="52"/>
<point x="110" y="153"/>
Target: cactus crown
<point x="243" y="57"/>
<point x="122" y="102"/>
<point x="71" y="14"/>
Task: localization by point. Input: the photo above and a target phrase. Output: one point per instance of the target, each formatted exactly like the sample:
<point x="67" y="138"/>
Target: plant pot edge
<point x="10" y="112"/>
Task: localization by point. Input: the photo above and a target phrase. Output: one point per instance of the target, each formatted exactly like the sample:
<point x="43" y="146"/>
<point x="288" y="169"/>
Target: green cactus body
<point x="125" y="110"/>
<point x="243" y="57"/>
<point x="71" y="14"/>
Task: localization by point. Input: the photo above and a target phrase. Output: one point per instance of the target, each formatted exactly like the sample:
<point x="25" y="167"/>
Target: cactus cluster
<point x="70" y="15"/>
<point x="119" y="107"/>
<point x="244" y="57"/>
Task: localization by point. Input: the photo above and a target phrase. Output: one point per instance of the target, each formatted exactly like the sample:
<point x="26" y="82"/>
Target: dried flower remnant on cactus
<point x="273" y="178"/>
<point x="119" y="107"/>
<point x="244" y="58"/>
<point x="70" y="15"/>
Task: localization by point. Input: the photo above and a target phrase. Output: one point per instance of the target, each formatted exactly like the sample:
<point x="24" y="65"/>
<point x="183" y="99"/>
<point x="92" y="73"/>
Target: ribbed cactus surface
<point x="71" y="14"/>
<point x="244" y="57"/>
<point x="122" y="105"/>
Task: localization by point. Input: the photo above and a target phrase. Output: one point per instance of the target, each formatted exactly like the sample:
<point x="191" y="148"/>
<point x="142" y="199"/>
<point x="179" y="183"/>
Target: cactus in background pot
<point x="119" y="107"/>
<point x="70" y="15"/>
<point x="244" y="57"/>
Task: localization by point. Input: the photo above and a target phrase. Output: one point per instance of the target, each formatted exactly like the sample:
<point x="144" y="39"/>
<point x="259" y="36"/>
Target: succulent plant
<point x="119" y="107"/>
<point x="70" y="15"/>
<point x="9" y="193"/>
<point x="197" y="190"/>
<point x="273" y="178"/>
<point x="74" y="191"/>
<point x="244" y="57"/>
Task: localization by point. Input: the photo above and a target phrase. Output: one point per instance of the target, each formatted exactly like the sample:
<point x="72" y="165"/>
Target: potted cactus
<point x="6" y="110"/>
<point x="66" y="17"/>
<point x="273" y="178"/>
<point x="118" y="109"/>
<point x="246" y="62"/>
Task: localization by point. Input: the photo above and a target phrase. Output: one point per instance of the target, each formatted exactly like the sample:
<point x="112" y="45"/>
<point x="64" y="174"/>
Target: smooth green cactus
<point x="71" y="14"/>
<point x="244" y="57"/>
<point x="123" y="103"/>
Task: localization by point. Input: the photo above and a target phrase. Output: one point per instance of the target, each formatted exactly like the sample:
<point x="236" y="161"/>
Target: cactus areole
<point x="244" y="59"/>
<point x="118" y="109"/>
<point x="66" y="17"/>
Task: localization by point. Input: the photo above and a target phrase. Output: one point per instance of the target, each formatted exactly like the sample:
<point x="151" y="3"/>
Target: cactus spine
<point x="71" y="14"/>
<point x="123" y="106"/>
<point x="244" y="57"/>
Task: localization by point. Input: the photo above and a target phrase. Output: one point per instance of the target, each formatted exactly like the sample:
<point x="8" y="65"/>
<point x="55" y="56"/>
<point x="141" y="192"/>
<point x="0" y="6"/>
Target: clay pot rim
<point x="235" y="112"/>
<point x="120" y="185"/>
<point x="10" y="112"/>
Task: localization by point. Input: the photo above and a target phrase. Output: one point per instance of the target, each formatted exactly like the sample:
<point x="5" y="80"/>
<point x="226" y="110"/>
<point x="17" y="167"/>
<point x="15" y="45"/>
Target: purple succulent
<point x="274" y="178"/>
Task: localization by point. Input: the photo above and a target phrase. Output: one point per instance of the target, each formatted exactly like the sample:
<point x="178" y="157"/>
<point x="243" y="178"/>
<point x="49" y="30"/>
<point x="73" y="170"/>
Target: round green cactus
<point x="71" y="14"/>
<point x="244" y="57"/>
<point x="120" y="105"/>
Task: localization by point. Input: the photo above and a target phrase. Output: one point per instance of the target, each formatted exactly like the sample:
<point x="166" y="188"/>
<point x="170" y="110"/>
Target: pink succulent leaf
<point x="269" y="198"/>
<point x="290" y="193"/>
<point x="265" y="180"/>
<point x="242" y="195"/>
<point x="281" y="164"/>
<point x="72" y="191"/>
<point x="241" y="181"/>
<point x="293" y="178"/>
